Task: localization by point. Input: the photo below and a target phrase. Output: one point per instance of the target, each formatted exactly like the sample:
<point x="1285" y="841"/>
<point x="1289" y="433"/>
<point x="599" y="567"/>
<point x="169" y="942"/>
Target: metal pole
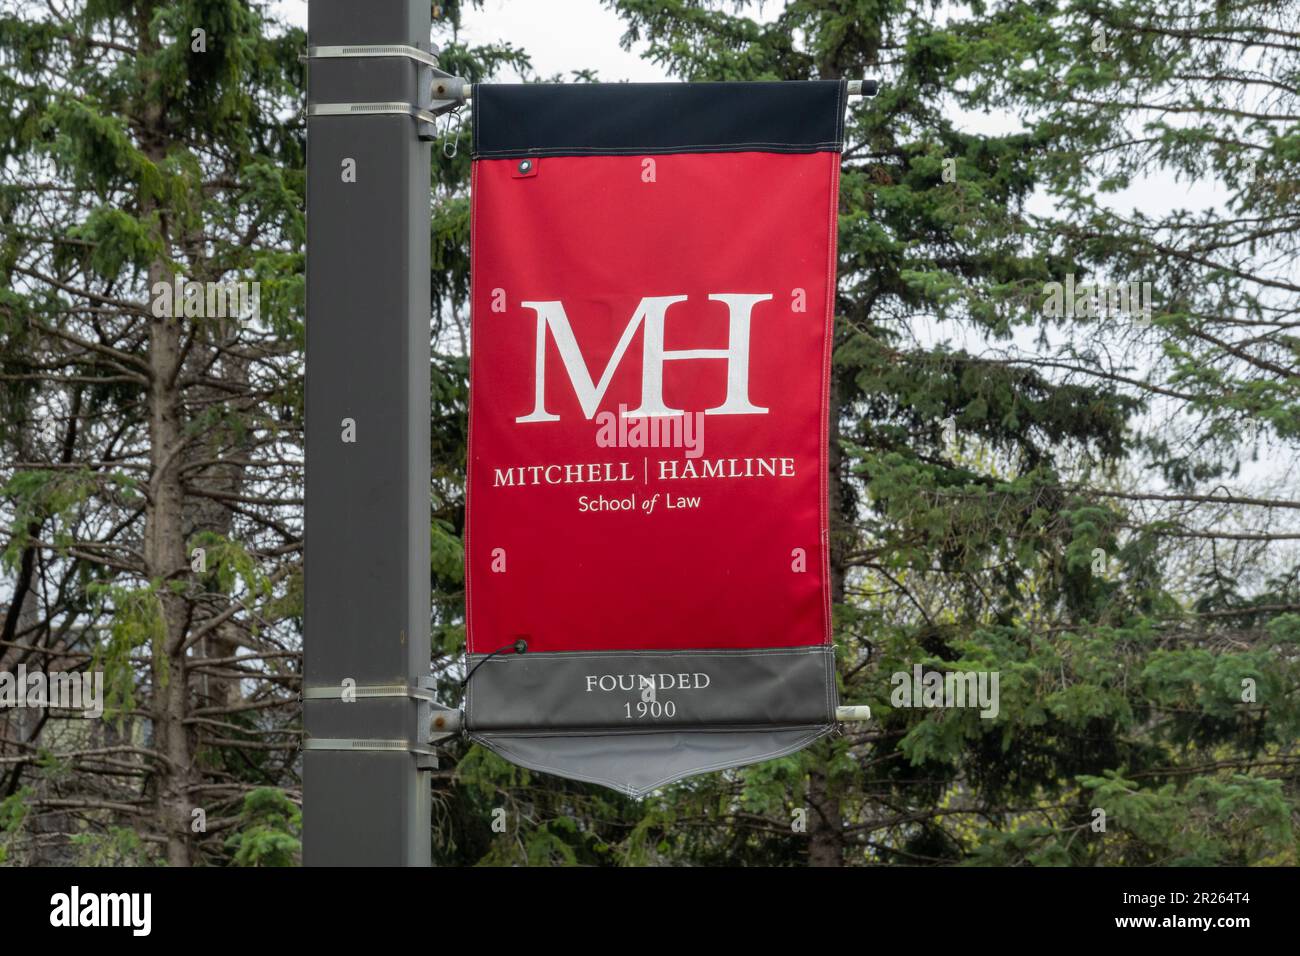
<point x="366" y="800"/>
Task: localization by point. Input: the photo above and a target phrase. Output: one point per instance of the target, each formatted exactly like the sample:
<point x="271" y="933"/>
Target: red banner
<point x="648" y="437"/>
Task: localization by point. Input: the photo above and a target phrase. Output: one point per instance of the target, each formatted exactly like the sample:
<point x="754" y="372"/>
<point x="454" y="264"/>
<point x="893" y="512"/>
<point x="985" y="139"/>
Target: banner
<point x="653" y="280"/>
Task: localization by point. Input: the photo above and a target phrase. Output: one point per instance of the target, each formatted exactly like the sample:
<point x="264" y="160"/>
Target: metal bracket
<point x="440" y="721"/>
<point x="445" y="92"/>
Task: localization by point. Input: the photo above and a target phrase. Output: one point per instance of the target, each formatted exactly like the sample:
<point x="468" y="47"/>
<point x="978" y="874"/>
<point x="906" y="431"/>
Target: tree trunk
<point x="825" y="836"/>
<point x="164" y="554"/>
<point x="164" y="533"/>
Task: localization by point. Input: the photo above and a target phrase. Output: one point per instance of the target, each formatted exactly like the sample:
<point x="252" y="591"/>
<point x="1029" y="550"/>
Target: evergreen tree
<point x="152" y="440"/>
<point x="985" y="492"/>
<point x="1094" y="506"/>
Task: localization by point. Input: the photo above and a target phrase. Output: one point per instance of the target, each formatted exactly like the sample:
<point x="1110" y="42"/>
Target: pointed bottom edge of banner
<point x="638" y="764"/>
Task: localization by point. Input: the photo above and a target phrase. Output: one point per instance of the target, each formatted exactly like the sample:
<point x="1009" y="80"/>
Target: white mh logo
<point x="652" y="311"/>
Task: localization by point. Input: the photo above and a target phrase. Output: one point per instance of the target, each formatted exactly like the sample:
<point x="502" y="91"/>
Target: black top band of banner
<point x="636" y="119"/>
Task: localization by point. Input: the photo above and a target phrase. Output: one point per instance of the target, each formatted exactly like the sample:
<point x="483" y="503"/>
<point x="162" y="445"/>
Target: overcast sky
<point x="559" y="35"/>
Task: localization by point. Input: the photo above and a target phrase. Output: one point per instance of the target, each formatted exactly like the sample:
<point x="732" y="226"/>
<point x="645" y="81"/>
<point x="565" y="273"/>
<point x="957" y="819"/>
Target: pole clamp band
<point x="367" y="109"/>
<point x="371" y="745"/>
<point x="373" y="50"/>
<point x="335" y="692"/>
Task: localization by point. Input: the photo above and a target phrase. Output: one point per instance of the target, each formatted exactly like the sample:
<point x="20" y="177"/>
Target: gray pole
<point x="365" y="799"/>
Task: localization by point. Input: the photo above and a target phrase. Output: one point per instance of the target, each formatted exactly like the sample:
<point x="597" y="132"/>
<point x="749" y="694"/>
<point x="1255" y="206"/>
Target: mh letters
<point x="652" y="312"/>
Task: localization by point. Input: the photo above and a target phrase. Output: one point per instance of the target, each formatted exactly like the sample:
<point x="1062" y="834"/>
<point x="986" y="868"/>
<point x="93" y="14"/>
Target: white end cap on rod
<point x="852" y="713"/>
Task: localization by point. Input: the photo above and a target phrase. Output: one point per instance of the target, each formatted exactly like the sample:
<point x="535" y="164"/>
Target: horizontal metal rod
<point x="446" y="723"/>
<point x="856" y="88"/>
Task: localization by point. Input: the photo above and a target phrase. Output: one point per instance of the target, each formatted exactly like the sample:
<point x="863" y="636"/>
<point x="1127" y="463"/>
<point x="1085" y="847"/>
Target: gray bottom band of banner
<point x="637" y="720"/>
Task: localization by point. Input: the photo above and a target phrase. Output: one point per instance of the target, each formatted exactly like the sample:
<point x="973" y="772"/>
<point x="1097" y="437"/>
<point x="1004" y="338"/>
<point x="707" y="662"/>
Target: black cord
<point x="518" y="647"/>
